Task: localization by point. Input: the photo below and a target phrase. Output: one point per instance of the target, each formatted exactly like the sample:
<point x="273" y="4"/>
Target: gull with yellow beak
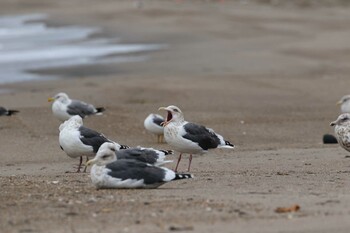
<point x="190" y="138"/>
<point x="109" y="172"/>
<point x="77" y="140"/>
<point x="344" y="103"/>
<point x="64" y="108"/>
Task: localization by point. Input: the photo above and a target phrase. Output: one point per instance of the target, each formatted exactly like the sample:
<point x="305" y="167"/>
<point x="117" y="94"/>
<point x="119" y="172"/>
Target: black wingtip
<point x="100" y="109"/>
<point x="329" y="139"/>
<point x="123" y="147"/>
<point x="167" y="152"/>
<point x="227" y="143"/>
<point x="179" y="176"/>
<point x="11" y="112"/>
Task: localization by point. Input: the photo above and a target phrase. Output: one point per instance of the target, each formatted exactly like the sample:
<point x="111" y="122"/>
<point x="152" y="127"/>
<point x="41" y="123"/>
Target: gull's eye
<point x="113" y="149"/>
<point x="104" y="156"/>
<point x="175" y="110"/>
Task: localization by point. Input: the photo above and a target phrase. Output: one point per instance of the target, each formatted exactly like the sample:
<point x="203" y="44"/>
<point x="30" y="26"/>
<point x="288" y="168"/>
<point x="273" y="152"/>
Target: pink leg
<point x="178" y="161"/>
<point x="189" y="163"/>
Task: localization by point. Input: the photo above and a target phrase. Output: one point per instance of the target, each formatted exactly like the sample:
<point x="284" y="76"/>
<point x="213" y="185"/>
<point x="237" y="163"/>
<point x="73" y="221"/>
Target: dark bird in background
<point x="7" y="112"/>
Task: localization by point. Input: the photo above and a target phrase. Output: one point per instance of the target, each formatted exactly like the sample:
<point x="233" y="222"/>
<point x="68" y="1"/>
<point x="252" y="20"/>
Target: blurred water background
<point x="28" y="45"/>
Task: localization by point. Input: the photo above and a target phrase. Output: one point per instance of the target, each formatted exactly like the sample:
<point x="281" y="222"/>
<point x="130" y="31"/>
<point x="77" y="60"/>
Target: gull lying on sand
<point x="109" y="172"/>
<point x="146" y="155"/>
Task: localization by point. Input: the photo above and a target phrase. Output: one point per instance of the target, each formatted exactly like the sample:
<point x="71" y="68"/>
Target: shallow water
<point x="28" y="44"/>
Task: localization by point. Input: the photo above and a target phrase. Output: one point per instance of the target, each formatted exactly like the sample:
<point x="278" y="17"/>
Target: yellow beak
<point x="90" y="162"/>
<point x="162" y="108"/>
<point x="339" y="102"/>
<point x="50" y="99"/>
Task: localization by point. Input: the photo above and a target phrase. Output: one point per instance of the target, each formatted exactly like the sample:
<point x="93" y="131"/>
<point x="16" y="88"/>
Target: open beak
<point x="50" y="99"/>
<point x="339" y="102"/>
<point x="90" y="162"/>
<point x="164" y="123"/>
<point x="166" y="120"/>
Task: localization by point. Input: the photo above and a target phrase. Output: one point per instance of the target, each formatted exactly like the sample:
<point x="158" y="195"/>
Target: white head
<point x="343" y="119"/>
<point x="344" y="102"/>
<point x="105" y="154"/>
<point x="344" y="99"/>
<point x="61" y="97"/>
<point x="174" y="114"/>
<point x="73" y="122"/>
<point x="112" y="146"/>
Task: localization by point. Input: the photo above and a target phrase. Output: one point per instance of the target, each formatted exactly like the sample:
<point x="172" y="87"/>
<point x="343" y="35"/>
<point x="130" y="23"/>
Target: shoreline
<point x="33" y="51"/>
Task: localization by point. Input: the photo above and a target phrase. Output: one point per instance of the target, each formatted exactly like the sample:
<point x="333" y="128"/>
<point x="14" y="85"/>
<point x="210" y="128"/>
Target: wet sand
<point x="266" y="78"/>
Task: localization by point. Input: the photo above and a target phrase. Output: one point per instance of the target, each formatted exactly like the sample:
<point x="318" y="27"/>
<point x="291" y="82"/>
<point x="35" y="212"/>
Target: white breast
<point x="59" y="110"/>
<point x="173" y="136"/>
<point x="70" y="142"/>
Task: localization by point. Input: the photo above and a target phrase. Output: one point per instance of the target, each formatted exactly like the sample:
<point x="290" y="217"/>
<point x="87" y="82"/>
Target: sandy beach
<point x="264" y="76"/>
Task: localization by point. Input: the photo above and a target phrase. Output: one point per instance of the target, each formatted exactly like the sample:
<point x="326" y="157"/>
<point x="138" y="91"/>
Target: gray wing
<point x="201" y="135"/>
<point x="92" y="138"/>
<point x="158" y="121"/>
<point x="143" y="155"/>
<point x="130" y="169"/>
<point x="80" y="108"/>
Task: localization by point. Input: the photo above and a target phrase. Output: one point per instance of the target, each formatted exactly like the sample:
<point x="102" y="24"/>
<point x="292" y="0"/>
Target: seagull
<point x="64" y="108"/>
<point x="7" y="112"/>
<point x="109" y="172"/>
<point x="153" y="123"/>
<point x="342" y="130"/>
<point x="187" y="137"/>
<point x="344" y="103"/>
<point x="146" y="155"/>
<point x="78" y="141"/>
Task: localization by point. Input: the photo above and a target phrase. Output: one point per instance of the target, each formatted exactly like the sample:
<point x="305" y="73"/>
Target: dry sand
<point x="266" y="77"/>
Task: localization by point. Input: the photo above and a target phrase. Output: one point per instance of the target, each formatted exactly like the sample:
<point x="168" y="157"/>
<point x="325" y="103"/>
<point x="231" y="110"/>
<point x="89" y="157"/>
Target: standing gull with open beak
<point x="190" y="138"/>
